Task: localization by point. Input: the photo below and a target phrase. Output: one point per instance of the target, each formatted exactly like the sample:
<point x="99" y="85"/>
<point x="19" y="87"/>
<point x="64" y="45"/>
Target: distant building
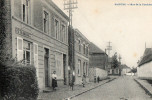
<point x="37" y="32"/>
<point x="144" y="69"/>
<point x="97" y="62"/>
<point x="81" y="56"/>
<point x="125" y="69"/>
<point x="111" y="70"/>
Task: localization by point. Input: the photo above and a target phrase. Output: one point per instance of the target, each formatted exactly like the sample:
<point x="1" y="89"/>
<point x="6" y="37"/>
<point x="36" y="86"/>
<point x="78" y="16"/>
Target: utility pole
<point x="69" y="5"/>
<point x="109" y="48"/>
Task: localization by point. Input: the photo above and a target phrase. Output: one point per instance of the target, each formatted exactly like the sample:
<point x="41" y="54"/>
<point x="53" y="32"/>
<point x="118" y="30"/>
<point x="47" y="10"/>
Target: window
<point x="84" y="48"/>
<point x="26" y="11"/>
<point x="46" y="22"/>
<point x="63" y="34"/>
<point x="86" y="69"/>
<point x="87" y="51"/>
<point x="79" y="67"/>
<point x="26" y="52"/>
<point x="79" y="42"/>
<point x="56" y="29"/>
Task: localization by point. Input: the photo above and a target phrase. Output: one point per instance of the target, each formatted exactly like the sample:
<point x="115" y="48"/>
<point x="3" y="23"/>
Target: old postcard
<point x="75" y="50"/>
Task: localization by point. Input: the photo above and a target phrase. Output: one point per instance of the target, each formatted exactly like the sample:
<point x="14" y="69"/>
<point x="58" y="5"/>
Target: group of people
<point x="54" y="80"/>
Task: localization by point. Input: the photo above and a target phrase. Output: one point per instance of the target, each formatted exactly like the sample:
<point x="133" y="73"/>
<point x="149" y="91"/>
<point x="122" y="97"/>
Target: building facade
<point x="39" y="36"/>
<point x="144" y="69"/>
<point x="97" y="62"/>
<point x="81" y="56"/>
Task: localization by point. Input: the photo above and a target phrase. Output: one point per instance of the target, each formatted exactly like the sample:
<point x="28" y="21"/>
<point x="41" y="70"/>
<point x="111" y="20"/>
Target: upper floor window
<point x="56" y="29"/>
<point x="46" y="22"/>
<point x="63" y="34"/>
<point x="79" y="43"/>
<point x="84" y="48"/>
<point x="87" y="51"/>
<point x="26" y="11"/>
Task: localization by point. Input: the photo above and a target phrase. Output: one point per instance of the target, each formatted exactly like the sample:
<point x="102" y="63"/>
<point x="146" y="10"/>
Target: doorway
<point x="64" y="68"/>
<point x="46" y="66"/>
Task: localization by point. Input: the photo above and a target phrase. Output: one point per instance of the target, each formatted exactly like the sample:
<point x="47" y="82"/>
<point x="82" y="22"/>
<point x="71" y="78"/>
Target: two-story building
<point x="39" y="36"/>
<point x="81" y="56"/>
<point x="98" y="62"/>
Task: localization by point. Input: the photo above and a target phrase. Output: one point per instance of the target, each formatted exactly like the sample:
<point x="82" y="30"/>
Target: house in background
<point x="125" y="70"/>
<point x="97" y="62"/>
<point x="37" y="32"/>
<point x="111" y="70"/>
<point x="144" y="69"/>
<point x="81" y="56"/>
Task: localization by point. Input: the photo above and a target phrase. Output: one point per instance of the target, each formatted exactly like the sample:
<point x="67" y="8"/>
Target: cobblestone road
<point x="123" y="88"/>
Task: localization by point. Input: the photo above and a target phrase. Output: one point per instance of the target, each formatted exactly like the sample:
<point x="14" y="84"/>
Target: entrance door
<point x="46" y="66"/>
<point x="64" y="66"/>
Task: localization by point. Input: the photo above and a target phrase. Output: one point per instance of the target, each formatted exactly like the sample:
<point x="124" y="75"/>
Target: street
<point x="123" y="88"/>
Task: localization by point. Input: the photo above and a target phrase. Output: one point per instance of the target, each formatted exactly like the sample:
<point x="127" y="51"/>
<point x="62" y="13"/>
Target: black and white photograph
<point x="75" y="50"/>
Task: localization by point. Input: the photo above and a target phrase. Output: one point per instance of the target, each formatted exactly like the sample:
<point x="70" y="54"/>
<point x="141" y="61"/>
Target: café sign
<point x="22" y="32"/>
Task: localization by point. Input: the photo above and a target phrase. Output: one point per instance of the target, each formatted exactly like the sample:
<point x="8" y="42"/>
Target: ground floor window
<point x="26" y="52"/>
<point x="79" y="67"/>
<point x="24" y="49"/>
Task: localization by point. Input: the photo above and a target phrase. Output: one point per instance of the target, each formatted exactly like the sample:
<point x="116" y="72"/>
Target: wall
<point x="98" y="59"/>
<point x="145" y="71"/>
<point x="97" y="72"/>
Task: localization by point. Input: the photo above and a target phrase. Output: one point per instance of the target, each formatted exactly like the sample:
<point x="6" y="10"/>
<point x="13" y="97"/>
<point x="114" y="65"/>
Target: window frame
<point x="26" y="12"/>
<point x="79" y="67"/>
<point x="45" y="11"/>
<point x="25" y="51"/>
<point x="58" y="29"/>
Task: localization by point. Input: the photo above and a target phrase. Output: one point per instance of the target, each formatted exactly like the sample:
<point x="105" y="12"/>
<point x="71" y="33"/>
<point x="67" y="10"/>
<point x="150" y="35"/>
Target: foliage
<point x="17" y="81"/>
<point x="134" y="70"/>
<point x="115" y="62"/>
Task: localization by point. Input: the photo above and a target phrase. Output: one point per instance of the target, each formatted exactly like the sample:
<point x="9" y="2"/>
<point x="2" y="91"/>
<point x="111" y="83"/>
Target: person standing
<point x="98" y="79"/>
<point x="54" y="80"/>
<point x="84" y="80"/>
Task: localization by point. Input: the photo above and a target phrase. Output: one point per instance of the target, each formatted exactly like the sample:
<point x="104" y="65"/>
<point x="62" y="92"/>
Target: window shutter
<point x="36" y="57"/>
<point x="19" y="49"/>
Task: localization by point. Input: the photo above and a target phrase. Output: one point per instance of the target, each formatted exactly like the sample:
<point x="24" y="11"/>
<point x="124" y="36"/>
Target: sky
<point x="127" y="27"/>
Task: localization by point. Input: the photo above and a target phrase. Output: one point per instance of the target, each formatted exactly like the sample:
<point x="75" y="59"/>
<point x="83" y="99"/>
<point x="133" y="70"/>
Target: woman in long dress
<point x="54" y="80"/>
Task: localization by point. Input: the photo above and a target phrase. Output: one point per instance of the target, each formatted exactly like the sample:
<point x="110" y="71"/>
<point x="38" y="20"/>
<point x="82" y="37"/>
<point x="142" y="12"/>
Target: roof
<point x="147" y="57"/>
<point x="94" y="49"/>
<point x="58" y="9"/>
<point x="79" y="33"/>
<point x="125" y="67"/>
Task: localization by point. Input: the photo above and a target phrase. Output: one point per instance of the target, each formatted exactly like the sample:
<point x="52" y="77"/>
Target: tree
<point x="115" y="62"/>
<point x="134" y="70"/>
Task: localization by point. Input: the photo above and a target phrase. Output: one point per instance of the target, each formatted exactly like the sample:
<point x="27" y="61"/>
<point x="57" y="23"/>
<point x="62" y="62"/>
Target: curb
<point x="146" y="90"/>
<point x="88" y="90"/>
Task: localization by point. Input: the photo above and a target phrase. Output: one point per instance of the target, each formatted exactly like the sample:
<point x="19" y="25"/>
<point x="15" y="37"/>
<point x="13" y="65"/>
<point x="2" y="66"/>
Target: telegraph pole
<point x="70" y="5"/>
<point x="109" y="48"/>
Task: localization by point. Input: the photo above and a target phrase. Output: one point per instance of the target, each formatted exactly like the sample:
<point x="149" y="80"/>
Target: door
<point x="64" y="66"/>
<point x="46" y="66"/>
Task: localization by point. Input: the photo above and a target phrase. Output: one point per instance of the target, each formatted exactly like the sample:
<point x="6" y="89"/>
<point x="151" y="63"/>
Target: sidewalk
<point x="65" y="92"/>
<point x="145" y="85"/>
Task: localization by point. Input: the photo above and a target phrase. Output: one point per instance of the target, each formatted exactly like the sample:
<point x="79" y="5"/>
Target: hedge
<point x="18" y="82"/>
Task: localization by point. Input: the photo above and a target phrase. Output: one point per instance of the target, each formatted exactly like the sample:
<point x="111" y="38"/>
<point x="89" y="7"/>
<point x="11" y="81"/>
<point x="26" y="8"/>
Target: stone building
<point x="37" y="31"/>
<point x="81" y="56"/>
<point x="98" y="62"/>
